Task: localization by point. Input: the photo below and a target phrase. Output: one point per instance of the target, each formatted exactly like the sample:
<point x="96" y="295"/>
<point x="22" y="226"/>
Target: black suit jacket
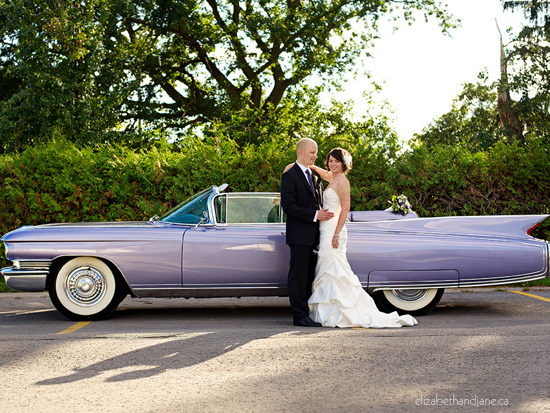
<point x="300" y="205"/>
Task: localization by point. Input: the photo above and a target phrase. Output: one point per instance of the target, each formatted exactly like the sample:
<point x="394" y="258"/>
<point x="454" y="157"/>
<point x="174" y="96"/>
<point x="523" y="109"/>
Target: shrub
<point x="61" y="183"/>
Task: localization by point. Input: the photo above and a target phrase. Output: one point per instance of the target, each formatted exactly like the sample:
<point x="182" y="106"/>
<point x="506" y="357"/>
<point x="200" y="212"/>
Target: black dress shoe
<point x="306" y="322"/>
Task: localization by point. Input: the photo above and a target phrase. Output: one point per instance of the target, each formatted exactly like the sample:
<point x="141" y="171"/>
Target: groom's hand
<point x="324" y="215"/>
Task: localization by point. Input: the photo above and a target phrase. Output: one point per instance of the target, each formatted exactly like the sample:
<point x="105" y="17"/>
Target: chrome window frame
<point x="215" y="192"/>
<point x="270" y="195"/>
<point x="218" y="191"/>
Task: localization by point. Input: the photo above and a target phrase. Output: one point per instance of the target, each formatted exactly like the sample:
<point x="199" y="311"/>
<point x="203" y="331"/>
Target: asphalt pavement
<point x="478" y="350"/>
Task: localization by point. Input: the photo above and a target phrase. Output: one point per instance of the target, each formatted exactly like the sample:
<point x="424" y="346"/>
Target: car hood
<point x="91" y="231"/>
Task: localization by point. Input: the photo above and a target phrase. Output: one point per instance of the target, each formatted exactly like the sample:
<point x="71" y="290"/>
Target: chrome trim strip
<point x="499" y="279"/>
<point x="234" y="285"/>
<point x="411" y="287"/>
<point x="248" y="224"/>
<point x="484" y="282"/>
<point x="528" y="240"/>
<point x="15" y="272"/>
<point x="513" y="280"/>
<point x="206" y="287"/>
<point x="425" y="282"/>
<point x="42" y="264"/>
<point x="211" y="292"/>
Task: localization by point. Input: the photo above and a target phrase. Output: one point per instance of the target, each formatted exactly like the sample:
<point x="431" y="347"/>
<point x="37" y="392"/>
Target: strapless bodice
<point x="331" y="201"/>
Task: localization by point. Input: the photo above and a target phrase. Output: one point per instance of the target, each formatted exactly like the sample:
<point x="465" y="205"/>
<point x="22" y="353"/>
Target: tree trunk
<point x="507" y="110"/>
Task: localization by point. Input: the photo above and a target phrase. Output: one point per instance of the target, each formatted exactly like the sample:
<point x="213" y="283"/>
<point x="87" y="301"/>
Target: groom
<point x="301" y="197"/>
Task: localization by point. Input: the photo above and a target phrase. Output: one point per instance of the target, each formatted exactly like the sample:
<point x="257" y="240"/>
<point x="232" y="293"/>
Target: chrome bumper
<point x="28" y="276"/>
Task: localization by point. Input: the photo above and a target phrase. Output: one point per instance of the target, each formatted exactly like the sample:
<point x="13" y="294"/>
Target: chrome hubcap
<point x="85" y="286"/>
<point x="409" y="295"/>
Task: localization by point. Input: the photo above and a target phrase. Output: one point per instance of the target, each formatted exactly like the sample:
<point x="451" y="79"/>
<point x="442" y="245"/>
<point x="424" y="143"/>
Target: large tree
<point x="62" y="76"/>
<point x="528" y="57"/>
<point x="211" y="58"/>
<point x="174" y="63"/>
<point x="514" y="108"/>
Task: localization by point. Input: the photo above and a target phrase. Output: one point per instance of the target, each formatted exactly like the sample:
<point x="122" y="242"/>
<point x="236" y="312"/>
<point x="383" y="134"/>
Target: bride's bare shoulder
<point x="340" y="185"/>
<point x="343" y="183"/>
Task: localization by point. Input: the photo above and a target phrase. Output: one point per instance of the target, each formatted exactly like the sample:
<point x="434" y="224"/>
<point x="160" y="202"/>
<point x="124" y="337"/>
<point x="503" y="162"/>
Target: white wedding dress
<point x="338" y="300"/>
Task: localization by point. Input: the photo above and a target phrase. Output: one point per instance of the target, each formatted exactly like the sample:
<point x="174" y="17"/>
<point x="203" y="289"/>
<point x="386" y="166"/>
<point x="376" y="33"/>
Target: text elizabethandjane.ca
<point x="474" y="401"/>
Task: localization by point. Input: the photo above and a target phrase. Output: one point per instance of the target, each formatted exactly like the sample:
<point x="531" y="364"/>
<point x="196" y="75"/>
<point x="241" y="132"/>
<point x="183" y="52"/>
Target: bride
<point x="338" y="299"/>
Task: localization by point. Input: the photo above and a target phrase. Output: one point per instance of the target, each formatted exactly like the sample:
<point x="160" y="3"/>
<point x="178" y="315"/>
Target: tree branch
<point x="240" y="51"/>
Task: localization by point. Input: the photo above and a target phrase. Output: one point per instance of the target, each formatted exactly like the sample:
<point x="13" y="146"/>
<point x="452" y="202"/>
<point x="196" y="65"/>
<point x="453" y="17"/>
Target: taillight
<point x="531" y="229"/>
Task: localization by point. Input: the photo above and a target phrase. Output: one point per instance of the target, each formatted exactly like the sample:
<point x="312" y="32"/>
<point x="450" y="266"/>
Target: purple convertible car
<point x="218" y="244"/>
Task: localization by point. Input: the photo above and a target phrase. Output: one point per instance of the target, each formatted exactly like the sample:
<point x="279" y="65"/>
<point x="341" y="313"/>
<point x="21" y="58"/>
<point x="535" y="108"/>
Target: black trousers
<point x="300" y="278"/>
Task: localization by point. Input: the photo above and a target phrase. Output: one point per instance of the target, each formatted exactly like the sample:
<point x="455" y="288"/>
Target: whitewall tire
<point x="85" y="288"/>
<point x="408" y="301"/>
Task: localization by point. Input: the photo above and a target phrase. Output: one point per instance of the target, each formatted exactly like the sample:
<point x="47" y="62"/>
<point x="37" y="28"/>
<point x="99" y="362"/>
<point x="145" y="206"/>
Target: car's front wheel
<point x="85" y="288"/>
<point x="415" y="302"/>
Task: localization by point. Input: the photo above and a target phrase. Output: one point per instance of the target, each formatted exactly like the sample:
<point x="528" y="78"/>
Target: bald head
<point x="304" y="143"/>
<point x="306" y="151"/>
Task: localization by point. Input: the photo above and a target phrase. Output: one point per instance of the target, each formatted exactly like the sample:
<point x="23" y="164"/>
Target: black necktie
<point x="310" y="181"/>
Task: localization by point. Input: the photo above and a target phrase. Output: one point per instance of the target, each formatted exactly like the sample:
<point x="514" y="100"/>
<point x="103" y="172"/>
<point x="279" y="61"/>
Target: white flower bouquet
<point x="400" y="204"/>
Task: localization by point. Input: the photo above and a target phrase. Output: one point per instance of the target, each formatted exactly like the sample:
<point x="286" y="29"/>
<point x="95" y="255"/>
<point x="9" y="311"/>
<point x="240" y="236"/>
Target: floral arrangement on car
<point x="400" y="204"/>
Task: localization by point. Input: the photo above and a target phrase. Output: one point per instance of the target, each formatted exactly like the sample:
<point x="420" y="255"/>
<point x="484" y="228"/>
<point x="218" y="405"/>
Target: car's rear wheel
<point x="85" y="288"/>
<point x="415" y="302"/>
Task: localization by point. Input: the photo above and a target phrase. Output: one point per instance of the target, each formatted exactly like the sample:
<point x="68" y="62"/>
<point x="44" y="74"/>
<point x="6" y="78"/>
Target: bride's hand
<point x="335" y="241"/>
<point x="290" y="165"/>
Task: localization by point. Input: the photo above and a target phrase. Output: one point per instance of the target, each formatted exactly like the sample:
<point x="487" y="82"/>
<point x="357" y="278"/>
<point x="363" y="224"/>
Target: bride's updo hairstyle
<point x="343" y="156"/>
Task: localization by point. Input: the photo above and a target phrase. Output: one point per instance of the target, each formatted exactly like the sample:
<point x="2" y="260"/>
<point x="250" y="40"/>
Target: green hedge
<point x="60" y="183"/>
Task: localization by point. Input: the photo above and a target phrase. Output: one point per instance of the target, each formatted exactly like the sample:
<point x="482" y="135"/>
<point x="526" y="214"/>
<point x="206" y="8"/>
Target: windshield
<point x="190" y="211"/>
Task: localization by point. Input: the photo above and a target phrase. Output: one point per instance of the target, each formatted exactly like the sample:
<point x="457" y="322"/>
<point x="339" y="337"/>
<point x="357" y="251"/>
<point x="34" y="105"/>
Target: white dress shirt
<point x="304" y="169"/>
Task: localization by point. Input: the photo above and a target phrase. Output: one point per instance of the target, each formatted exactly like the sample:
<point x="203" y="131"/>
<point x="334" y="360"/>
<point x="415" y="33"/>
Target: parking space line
<point x="14" y="313"/>
<point x="75" y="327"/>
<point x="532" y="295"/>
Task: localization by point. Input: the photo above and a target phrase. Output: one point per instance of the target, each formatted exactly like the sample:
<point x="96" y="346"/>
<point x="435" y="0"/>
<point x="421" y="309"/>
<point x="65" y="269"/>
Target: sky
<point x="422" y="70"/>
